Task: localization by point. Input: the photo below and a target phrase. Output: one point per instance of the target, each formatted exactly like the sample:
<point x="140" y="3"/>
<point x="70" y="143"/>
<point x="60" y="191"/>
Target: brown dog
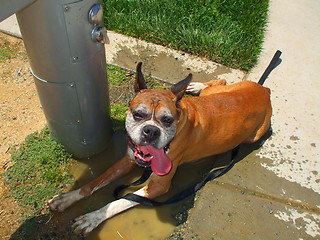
<point x="166" y="131"/>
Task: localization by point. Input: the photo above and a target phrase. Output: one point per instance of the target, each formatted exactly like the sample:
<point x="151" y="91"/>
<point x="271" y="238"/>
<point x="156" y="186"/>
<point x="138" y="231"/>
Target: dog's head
<point x="151" y="122"/>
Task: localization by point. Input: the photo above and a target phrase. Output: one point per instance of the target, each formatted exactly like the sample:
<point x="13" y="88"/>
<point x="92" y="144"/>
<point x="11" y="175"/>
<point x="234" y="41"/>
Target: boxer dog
<point x="166" y="130"/>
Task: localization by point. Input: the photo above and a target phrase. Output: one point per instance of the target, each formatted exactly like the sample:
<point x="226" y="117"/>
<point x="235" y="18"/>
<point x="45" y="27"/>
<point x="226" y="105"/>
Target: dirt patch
<point x="20" y="115"/>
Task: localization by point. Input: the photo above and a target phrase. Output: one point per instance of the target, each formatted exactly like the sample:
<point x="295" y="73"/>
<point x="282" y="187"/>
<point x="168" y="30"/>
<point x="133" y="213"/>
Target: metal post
<point x="67" y="57"/>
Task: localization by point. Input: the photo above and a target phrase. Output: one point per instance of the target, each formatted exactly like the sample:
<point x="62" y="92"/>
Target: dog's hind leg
<point x="260" y="132"/>
<point x="196" y="88"/>
<point x="263" y="127"/>
<point x="216" y="82"/>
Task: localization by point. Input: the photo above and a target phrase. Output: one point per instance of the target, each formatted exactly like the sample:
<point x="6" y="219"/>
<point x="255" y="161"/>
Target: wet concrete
<point x="221" y="212"/>
<point x="164" y="63"/>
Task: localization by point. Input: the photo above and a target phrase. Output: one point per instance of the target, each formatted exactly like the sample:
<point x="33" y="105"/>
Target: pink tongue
<point x="160" y="163"/>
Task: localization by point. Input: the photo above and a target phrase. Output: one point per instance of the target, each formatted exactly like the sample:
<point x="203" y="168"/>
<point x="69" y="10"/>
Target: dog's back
<point x="223" y="117"/>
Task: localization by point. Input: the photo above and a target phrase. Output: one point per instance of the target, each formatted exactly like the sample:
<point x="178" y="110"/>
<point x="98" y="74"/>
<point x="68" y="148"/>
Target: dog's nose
<point x="150" y="133"/>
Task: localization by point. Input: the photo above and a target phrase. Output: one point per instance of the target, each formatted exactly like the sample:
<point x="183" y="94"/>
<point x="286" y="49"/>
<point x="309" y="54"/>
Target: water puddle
<point x="139" y="223"/>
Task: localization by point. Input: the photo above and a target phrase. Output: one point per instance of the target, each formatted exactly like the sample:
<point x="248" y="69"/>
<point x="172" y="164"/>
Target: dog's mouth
<point x="147" y="155"/>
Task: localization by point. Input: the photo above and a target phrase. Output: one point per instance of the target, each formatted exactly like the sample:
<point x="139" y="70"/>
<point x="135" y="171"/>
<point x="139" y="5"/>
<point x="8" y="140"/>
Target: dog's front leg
<point x="158" y="186"/>
<point x="120" y="168"/>
<point x="86" y="223"/>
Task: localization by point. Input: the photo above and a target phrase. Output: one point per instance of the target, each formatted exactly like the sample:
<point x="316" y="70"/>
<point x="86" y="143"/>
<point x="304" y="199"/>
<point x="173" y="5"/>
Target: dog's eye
<point x="167" y="121"/>
<point x="138" y="115"/>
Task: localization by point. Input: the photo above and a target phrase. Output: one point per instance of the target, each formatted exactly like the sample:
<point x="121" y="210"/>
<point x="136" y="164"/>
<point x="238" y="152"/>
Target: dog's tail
<point x="276" y="60"/>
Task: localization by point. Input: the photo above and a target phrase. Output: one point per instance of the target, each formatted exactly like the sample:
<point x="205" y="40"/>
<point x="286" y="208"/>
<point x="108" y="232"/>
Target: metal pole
<point x="67" y="57"/>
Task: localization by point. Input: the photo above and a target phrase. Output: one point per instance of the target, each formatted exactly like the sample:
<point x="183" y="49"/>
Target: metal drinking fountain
<point x="65" y="40"/>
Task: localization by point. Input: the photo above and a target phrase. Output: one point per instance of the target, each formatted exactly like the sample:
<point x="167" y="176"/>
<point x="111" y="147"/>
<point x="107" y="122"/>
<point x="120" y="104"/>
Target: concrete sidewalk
<point x="273" y="193"/>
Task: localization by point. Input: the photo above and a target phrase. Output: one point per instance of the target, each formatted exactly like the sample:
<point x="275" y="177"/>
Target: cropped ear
<point x="179" y="88"/>
<point x="140" y="82"/>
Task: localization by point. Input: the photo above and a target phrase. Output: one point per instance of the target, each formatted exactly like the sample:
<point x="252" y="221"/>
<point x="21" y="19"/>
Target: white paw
<point x="60" y="202"/>
<point x="86" y="223"/>
<point x="195" y="88"/>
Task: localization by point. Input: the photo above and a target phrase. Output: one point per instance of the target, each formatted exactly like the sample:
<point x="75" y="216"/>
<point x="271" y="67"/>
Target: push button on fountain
<point x="96" y="15"/>
<point x="98" y="33"/>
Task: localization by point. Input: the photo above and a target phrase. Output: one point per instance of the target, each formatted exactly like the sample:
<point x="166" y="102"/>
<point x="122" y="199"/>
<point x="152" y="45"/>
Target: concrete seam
<point x="269" y="197"/>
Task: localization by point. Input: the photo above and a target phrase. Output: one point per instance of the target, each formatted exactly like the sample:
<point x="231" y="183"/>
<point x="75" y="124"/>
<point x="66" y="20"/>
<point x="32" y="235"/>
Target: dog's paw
<point x="85" y="224"/>
<point x="195" y="88"/>
<point x="60" y="202"/>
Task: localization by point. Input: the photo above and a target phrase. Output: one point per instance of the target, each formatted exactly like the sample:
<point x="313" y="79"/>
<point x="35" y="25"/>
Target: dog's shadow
<point x="193" y="173"/>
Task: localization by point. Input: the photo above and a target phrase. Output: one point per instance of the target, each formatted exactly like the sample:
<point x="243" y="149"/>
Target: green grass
<point x="116" y="75"/>
<point x="10" y="50"/>
<point x="118" y="113"/>
<point x="40" y="171"/>
<point x="6" y="51"/>
<point x="226" y="31"/>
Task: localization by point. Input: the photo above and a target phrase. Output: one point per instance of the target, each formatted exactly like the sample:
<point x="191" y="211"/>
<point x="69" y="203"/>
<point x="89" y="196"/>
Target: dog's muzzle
<point x="147" y="155"/>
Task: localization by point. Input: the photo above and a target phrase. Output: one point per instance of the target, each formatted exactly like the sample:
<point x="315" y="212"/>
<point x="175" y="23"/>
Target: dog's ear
<point x="179" y="88"/>
<point x="140" y="82"/>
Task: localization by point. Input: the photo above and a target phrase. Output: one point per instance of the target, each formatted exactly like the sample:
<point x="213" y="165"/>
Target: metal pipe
<point x="67" y="58"/>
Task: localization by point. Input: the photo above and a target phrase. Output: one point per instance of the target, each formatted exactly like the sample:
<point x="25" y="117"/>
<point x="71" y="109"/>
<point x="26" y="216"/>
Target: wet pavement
<point x="164" y="63"/>
<point x="273" y="192"/>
